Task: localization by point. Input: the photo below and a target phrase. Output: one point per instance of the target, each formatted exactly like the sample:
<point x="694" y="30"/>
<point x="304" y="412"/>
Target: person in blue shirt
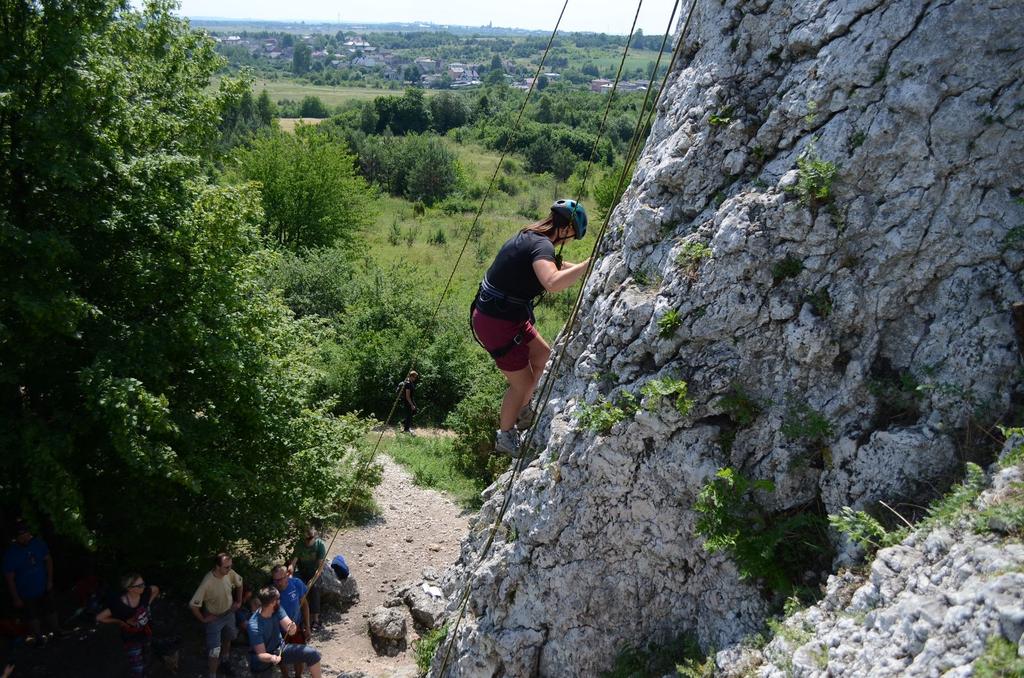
<point x="28" y="569"/>
<point x="293" y="602"/>
<point x="266" y="642"/>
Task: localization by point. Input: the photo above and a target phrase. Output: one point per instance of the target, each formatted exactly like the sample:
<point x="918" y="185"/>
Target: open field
<point x="289" y="124"/>
<point x="332" y="96"/>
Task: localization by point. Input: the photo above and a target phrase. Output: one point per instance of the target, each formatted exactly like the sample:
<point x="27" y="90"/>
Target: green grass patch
<point x="1006" y="515"/>
<point x="771" y="549"/>
<point x="432" y="463"/>
<point x="602" y="415"/>
<point x="331" y="96"/>
<point x="426" y="646"/>
<point x="674" y="389"/>
<point x="999" y="660"/>
<point x="790" y="267"/>
<point x="814" y="178"/>
<point x="691" y="256"/>
<point x="802" y="422"/>
<point x="669" y="322"/>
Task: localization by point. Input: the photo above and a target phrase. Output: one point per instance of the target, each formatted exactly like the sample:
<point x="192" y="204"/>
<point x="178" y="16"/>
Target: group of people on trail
<point x="277" y="620"/>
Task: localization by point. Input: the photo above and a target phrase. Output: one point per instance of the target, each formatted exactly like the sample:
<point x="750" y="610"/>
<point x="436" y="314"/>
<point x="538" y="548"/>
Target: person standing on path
<point x="214" y="604"/>
<point x="267" y="645"/>
<point x="309" y="556"/>
<point x="28" y="569"/>
<point x="295" y="605"/>
<point x="408" y="386"/>
<point x="131" y="611"/>
<point x="502" y="312"/>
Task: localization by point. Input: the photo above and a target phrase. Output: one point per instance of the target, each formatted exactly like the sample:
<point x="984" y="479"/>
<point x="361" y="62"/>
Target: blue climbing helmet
<point x="574" y="213"/>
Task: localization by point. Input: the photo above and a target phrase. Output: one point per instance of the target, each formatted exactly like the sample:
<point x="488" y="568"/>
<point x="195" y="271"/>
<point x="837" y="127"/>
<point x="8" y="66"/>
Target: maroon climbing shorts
<point x="496" y="333"/>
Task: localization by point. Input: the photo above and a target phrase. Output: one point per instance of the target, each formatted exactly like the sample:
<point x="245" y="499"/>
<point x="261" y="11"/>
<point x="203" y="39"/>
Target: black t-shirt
<point x="409" y="386"/>
<point x="137" y="617"/>
<point x="512" y="273"/>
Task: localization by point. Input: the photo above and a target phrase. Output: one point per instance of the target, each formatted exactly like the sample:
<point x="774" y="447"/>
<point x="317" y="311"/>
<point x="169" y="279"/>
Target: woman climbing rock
<point x="502" y="313"/>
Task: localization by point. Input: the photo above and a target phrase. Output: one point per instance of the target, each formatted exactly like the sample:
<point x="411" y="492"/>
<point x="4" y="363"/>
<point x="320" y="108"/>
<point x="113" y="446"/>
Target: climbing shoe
<point x="508" y="441"/>
<point x="526" y="417"/>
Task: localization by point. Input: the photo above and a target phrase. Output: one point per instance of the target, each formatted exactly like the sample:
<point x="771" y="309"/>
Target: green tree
<point x="563" y="163"/>
<point x="447" y="111"/>
<point x="606" y="193"/>
<point x="483" y="107"/>
<point x="432" y="169"/>
<point x="266" y="109"/>
<point x="404" y="114"/>
<point x="312" y="107"/>
<point x="368" y="119"/>
<point x="542" y="82"/>
<point x="310" y="192"/>
<point x="544" y="114"/>
<point x="495" y="78"/>
<point x="496" y="64"/>
<point x="144" y="378"/>
<point x="301" y="58"/>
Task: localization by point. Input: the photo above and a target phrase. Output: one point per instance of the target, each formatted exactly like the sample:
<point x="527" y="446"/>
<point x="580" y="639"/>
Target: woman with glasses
<point x="130" y="611"/>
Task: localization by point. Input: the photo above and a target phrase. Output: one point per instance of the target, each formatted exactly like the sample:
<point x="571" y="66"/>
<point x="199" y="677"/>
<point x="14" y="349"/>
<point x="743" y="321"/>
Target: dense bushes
<point x="144" y="378"/>
<point x="416" y="167"/>
<point x="311" y="194"/>
<point x="475" y="419"/>
<point x="379" y="320"/>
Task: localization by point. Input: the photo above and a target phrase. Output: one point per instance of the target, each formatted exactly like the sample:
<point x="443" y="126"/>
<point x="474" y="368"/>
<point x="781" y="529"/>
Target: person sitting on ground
<point x="214" y="603"/>
<point x="28" y="569"/>
<point x="130" y="610"/>
<point x="295" y="605"/>
<point x="250" y="605"/>
<point x="408" y="386"/>
<point x="502" y="316"/>
<point x="309" y="556"/>
<point x="265" y="636"/>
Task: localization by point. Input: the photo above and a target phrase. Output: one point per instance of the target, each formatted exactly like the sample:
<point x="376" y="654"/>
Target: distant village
<point x="357" y="53"/>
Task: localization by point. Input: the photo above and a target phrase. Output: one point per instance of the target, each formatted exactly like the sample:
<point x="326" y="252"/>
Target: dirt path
<point x="417" y="528"/>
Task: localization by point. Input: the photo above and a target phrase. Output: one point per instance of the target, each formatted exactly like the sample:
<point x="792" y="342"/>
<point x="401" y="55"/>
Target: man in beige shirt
<point x="214" y="604"/>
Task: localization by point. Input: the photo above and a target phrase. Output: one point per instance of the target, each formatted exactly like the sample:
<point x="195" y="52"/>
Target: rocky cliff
<point x="824" y="238"/>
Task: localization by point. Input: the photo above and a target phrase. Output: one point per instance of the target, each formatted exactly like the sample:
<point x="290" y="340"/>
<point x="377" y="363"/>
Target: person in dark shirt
<point x="130" y="610"/>
<point x="408" y="386"/>
<point x="28" y="569"/>
<point x="502" y="317"/>
<point x="267" y="630"/>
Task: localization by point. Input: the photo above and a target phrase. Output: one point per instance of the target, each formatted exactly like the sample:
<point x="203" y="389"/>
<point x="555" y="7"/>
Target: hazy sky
<point x="606" y="16"/>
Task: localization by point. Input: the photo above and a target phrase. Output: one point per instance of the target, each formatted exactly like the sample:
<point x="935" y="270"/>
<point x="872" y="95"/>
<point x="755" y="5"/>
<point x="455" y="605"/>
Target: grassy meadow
<point x="434" y="242"/>
<point x="331" y="96"/>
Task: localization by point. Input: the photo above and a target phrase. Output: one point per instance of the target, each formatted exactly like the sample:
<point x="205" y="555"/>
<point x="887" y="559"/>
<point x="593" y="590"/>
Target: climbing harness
<point x="488" y="293"/>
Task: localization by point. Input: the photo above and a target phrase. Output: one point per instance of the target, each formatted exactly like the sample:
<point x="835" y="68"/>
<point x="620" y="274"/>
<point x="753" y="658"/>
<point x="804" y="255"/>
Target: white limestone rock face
<point x="927" y="607"/>
<point x="882" y="309"/>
